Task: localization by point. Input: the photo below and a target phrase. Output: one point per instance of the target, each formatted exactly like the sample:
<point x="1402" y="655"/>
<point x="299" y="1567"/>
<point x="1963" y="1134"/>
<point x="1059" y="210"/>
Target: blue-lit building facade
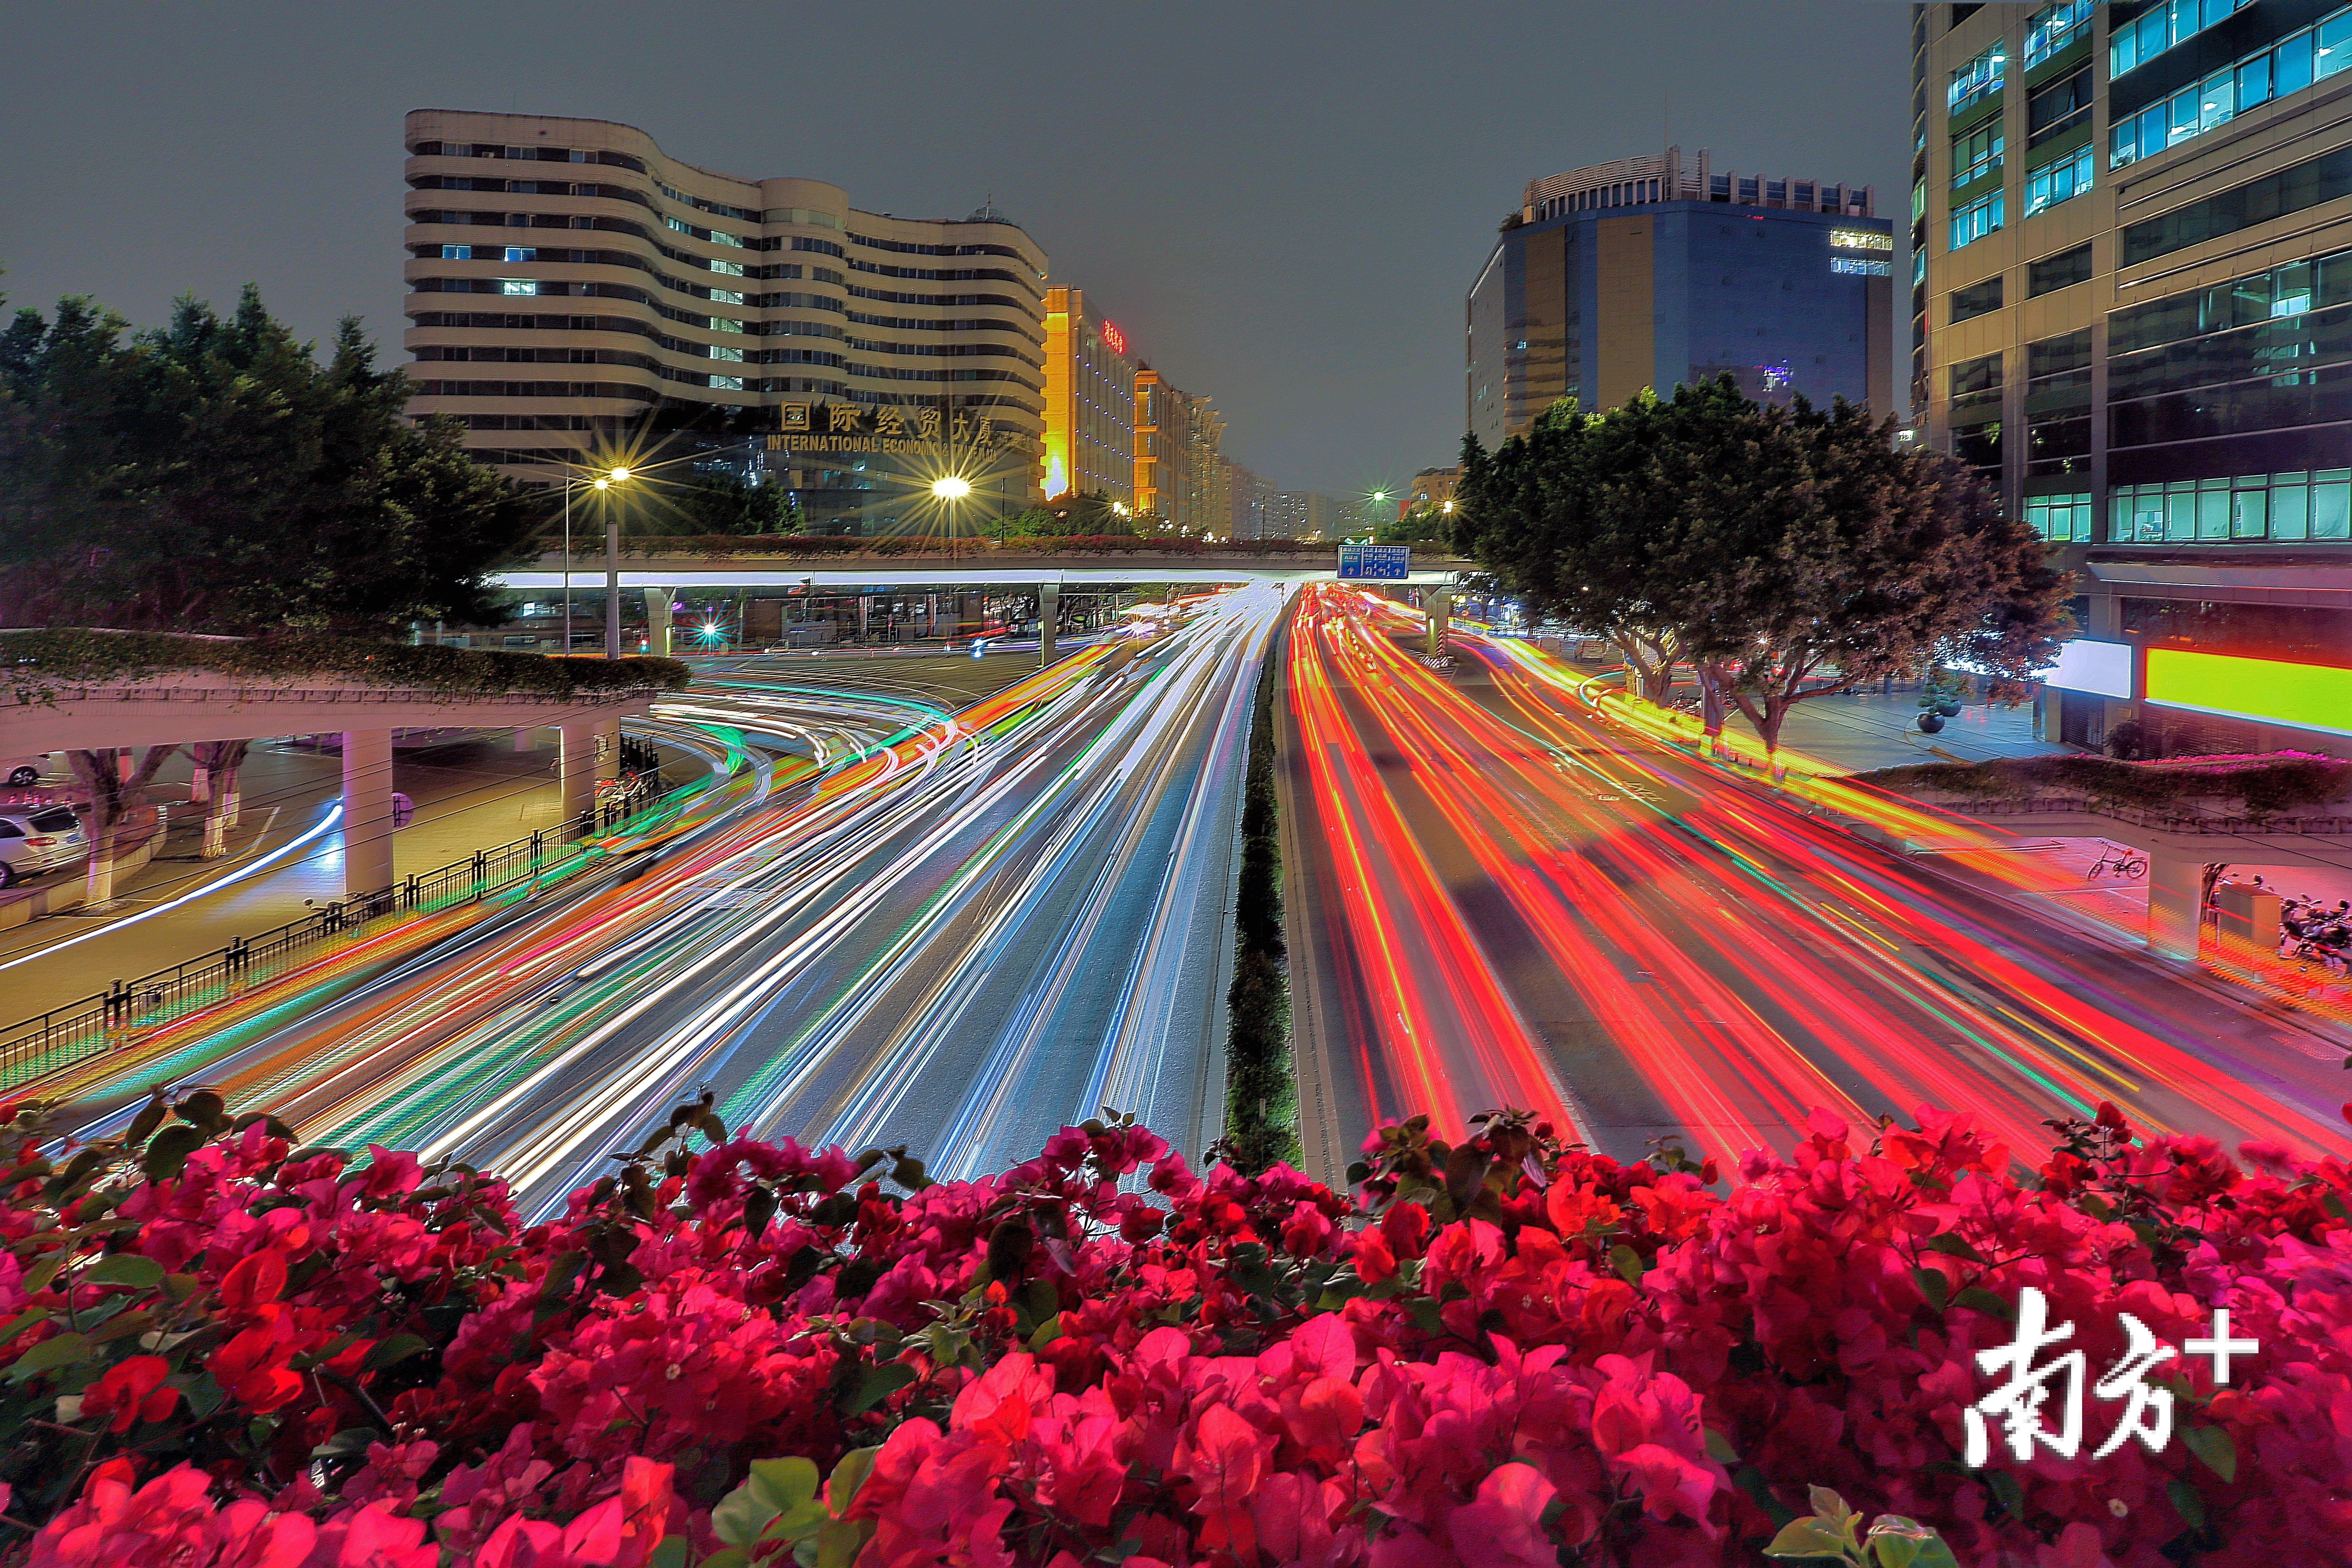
<point x="1651" y="273"/>
<point x="2132" y="312"/>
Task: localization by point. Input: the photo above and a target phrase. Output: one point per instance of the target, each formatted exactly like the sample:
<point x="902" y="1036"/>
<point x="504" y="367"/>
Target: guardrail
<point x="116" y="1017"/>
<point x="2165" y="822"/>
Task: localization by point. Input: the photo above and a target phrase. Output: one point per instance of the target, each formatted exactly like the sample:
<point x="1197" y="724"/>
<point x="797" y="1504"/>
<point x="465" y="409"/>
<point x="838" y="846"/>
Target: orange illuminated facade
<point x="1090" y="446"/>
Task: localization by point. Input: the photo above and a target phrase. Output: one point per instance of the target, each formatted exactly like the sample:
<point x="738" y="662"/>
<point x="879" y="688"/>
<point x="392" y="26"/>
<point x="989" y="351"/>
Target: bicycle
<point x="2122" y="862"/>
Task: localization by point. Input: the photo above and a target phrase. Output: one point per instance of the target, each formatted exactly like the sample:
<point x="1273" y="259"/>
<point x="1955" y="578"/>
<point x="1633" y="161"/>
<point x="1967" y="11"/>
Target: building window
<point x="1978" y="79"/>
<point x="457" y="253"/>
<point x="2289" y="191"/>
<point x="2273" y="72"/>
<point x="1979" y="218"/>
<point x="517" y="285"/>
<point x="726" y="382"/>
<point x="2061" y="520"/>
<point x="522" y="253"/>
<point x="1975" y="155"/>
<point x="2054" y="27"/>
<point x="2057" y="108"/>
<point x="2062" y="271"/>
<point x="1976" y="300"/>
<point x="2161" y="26"/>
<point x="2279" y="508"/>
<point x="2054" y="183"/>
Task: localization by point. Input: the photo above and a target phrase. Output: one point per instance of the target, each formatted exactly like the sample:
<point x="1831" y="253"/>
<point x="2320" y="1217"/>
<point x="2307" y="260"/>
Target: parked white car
<point x="38" y="840"/>
<point x="22" y="773"/>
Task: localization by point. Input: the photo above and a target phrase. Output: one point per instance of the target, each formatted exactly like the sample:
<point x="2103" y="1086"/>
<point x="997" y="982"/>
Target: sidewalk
<point x="1858" y="732"/>
<point x="472" y="792"/>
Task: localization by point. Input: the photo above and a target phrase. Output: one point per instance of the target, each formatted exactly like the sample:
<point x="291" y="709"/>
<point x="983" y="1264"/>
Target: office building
<point x="1304" y="514"/>
<point x="1252" y="506"/>
<point x="2132" y="312"/>
<point x="847" y="355"/>
<point x="1089" y="442"/>
<point x="1650" y="272"/>
<point x="1430" y="488"/>
<point x="1182" y="435"/>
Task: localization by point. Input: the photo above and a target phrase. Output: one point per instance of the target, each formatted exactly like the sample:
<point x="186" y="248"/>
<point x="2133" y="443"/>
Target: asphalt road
<point x="1505" y="899"/>
<point x="964" y="933"/>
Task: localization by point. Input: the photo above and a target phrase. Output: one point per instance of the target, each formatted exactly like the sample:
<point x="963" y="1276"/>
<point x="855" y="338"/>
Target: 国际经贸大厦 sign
<point x="1379" y="562"/>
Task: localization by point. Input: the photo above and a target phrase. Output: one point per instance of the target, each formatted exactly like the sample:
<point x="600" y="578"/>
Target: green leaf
<point x="786" y="1485"/>
<point x="2188" y="1502"/>
<point x="1976" y="1298"/>
<point x="1047" y="1333"/>
<point x="150" y="1117"/>
<point x="877" y="1384"/>
<point x="1828" y="1505"/>
<point x="125" y="1268"/>
<point x="726" y="1556"/>
<point x="168" y="1151"/>
<point x="25" y="1320"/>
<point x="1808" y="1538"/>
<point x="839" y="1540"/>
<point x="675" y="1552"/>
<point x="847" y="1477"/>
<point x="63" y="1350"/>
<point x="350" y="1440"/>
<point x="1933" y="1286"/>
<point x="1900" y="1542"/>
<point x="741" y="1516"/>
<point x="203" y="1109"/>
<point x="1627" y="1262"/>
<point x="1719" y="1448"/>
<point x="1951" y="1245"/>
<point x="391" y="1350"/>
<point x="2213" y="1445"/>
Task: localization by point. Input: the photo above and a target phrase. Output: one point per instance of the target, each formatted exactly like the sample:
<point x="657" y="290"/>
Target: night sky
<point x="1281" y="205"/>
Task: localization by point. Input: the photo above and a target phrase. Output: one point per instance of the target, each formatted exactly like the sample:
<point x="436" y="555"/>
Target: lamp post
<point x="604" y="483"/>
<point x="949" y="488"/>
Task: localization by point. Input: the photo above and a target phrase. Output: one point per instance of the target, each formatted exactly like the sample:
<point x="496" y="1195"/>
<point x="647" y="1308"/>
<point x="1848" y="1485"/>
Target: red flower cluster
<point x="1493" y="1355"/>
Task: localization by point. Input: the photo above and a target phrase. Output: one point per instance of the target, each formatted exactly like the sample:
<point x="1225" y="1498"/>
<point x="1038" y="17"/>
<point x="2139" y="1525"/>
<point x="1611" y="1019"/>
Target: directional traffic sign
<point x="1383" y="562"/>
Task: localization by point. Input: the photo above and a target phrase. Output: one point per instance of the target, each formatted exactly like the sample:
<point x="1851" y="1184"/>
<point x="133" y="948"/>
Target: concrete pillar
<point x="612" y="583"/>
<point x="578" y="767"/>
<point x="1049" y="615"/>
<point x="367" y="811"/>
<point x="1441" y="616"/>
<point x="2176" y="893"/>
<point x="658" y="603"/>
<point x="526" y="737"/>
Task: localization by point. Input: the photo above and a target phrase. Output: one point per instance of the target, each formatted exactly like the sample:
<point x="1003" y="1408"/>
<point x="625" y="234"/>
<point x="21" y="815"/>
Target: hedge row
<point x="2266" y="785"/>
<point x="1261" y="1090"/>
<point x="38" y="663"/>
<point x="729" y="544"/>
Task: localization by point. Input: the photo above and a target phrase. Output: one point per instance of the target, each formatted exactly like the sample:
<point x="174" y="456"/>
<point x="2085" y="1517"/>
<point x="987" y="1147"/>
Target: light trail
<point x="1685" y="954"/>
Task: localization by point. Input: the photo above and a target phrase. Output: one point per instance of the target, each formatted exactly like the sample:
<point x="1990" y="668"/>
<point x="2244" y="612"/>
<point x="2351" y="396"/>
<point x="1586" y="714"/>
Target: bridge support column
<point x="1049" y="613"/>
<point x="367" y="811"/>
<point x="2175" y="898"/>
<point x="658" y="603"/>
<point x="1441" y="614"/>
<point x="579" y="767"/>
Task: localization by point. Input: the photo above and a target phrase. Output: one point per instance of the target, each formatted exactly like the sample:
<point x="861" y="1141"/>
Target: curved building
<point x="576" y="291"/>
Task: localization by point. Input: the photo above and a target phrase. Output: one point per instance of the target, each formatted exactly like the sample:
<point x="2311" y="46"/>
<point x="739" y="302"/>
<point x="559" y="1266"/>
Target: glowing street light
<point x="951" y="486"/>
<point x="605" y="482"/>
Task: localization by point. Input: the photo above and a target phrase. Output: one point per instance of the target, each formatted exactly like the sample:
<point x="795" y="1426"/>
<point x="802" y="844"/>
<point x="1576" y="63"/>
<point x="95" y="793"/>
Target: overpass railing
<point x="126" y="1011"/>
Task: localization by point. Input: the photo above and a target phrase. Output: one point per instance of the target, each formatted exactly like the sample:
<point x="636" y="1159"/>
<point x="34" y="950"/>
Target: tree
<point x="723" y="503"/>
<point x="212" y="474"/>
<point x="1424" y="524"/>
<point x="215" y="787"/>
<point x="1784" y="554"/>
<point x="116" y="787"/>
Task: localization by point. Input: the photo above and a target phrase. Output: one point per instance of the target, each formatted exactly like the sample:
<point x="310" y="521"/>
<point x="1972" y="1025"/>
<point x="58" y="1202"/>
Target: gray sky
<point x="1280" y="204"/>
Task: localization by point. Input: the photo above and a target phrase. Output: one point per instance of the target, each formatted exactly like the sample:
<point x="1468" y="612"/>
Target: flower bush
<point x="218" y="1349"/>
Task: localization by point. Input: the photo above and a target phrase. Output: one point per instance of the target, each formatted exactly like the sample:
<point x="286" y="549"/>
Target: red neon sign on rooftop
<point x="1115" y="338"/>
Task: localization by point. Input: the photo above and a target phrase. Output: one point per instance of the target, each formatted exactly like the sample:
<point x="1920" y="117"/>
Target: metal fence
<point x="119" y="1015"/>
<point x="2050" y="805"/>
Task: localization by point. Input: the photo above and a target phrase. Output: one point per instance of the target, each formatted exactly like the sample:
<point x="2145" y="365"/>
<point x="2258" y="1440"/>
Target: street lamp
<point x="602" y="481"/>
<point x="605" y="482"/>
<point x="949" y="488"/>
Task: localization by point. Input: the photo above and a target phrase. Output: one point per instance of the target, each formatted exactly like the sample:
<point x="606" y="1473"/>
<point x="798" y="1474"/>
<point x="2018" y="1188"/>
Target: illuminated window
<point x="2290" y="508"/>
<point x="457" y="253"/>
<point x="718" y="352"/>
<point x="1859" y="267"/>
<point x="2160" y="26"/>
<point x="2063" y="519"/>
<point x="522" y="253"/>
<point x="1975" y="155"/>
<point x="1979" y="218"/>
<point x="2274" y="73"/>
<point x="517" y="285"/>
<point x="1976" y="79"/>
<point x="2054" y="183"/>
<point x="2054" y="27"/>
<point x="732" y="268"/>
<point x="725" y="297"/>
<point x="726" y="382"/>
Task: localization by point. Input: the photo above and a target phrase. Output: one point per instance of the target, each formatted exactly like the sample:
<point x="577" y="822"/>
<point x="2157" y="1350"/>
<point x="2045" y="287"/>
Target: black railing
<point x="116" y="1017"/>
<point x="2140" y="817"/>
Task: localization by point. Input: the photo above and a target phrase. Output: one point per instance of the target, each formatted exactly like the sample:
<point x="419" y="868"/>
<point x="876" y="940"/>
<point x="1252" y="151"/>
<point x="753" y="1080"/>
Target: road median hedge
<point x="39" y="663"/>
<point x="1261" y="1088"/>
<point x="2264" y="784"/>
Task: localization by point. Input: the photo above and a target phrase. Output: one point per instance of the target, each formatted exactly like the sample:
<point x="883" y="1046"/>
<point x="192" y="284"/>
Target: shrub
<point x="1260" y="1084"/>
<point x="2265" y="785"/>
<point x="1507" y="1351"/>
<point x="39" y="663"/>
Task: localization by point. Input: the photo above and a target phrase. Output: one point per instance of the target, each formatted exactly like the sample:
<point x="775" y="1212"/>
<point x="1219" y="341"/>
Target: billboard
<point x="1375" y="563"/>
<point x="2087" y="664"/>
<point x="2268" y="690"/>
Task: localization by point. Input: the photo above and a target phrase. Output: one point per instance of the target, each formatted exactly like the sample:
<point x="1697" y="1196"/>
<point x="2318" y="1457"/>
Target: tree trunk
<point x="200" y="791"/>
<point x="1711" y="708"/>
<point x="218" y="762"/>
<point x="115" y="787"/>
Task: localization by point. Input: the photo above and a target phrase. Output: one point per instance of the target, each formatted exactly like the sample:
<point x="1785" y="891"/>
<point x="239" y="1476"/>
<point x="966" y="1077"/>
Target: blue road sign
<point x="1383" y="562"/>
